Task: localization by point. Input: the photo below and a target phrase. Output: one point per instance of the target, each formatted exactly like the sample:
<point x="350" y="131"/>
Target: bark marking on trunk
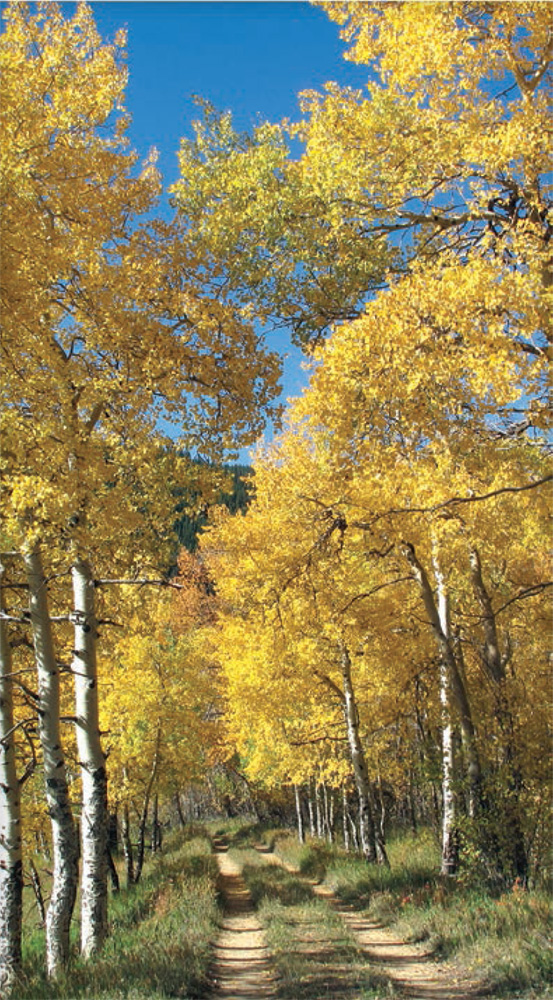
<point x="366" y="818"/>
<point x="65" y="844"/>
<point x="11" y="871"/>
<point x="94" y="817"/>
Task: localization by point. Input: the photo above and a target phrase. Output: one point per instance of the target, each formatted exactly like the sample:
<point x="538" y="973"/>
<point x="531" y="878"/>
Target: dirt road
<point x="242" y="968"/>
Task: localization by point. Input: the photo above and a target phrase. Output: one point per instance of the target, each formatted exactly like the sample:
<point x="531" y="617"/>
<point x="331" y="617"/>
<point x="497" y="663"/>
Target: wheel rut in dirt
<point x="415" y="974"/>
<point x="242" y="968"/>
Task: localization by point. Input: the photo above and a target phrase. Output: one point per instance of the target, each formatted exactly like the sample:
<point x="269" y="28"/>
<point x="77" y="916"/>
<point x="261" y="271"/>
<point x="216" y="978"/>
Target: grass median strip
<point x="314" y="953"/>
<point x="502" y="938"/>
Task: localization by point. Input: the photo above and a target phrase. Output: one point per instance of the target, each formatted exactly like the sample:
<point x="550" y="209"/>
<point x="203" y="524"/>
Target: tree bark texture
<point x="65" y="844"/>
<point x="11" y="872"/>
<point x="449" y="817"/>
<point x="94" y="816"/>
<point x="366" y="817"/>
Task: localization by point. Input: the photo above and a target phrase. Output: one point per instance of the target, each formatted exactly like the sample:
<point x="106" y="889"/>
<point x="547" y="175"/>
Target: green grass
<point x="314" y="953"/>
<point x="502" y="940"/>
<point x="160" y="941"/>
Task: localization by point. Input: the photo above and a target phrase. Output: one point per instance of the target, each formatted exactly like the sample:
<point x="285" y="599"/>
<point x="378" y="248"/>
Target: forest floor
<point x="244" y="969"/>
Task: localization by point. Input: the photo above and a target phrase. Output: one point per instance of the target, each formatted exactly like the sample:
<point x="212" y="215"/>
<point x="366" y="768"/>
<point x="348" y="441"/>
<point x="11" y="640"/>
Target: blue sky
<point x="252" y="58"/>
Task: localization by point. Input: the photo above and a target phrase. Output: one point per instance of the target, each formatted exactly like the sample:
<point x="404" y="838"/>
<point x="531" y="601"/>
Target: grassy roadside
<point x="314" y="953"/>
<point x="504" y="940"/>
<point x="160" y="936"/>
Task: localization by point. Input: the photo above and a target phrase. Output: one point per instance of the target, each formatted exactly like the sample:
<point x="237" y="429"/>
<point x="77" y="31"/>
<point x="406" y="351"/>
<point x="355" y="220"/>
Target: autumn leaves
<point x="381" y="609"/>
<point x="418" y="450"/>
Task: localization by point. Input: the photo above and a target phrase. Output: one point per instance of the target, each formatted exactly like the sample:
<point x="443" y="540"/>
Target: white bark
<point x="319" y="809"/>
<point x="65" y="846"/>
<point x="345" y="817"/>
<point x="299" y="815"/>
<point x="367" y="829"/>
<point x="438" y="616"/>
<point x="94" y="815"/>
<point x="11" y="874"/>
<point x="449" y="818"/>
<point x="312" y="828"/>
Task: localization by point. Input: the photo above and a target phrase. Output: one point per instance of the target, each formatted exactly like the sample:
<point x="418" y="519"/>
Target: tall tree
<point x="109" y="325"/>
<point x="11" y="867"/>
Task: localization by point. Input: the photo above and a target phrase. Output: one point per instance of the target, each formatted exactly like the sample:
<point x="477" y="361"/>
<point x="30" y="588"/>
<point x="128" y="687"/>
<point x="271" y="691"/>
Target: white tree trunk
<point x="299" y="814"/>
<point x="311" y="811"/>
<point x="449" y="816"/>
<point x="366" y="818"/>
<point x="94" y="815"/>
<point x="65" y="846"/>
<point x="452" y="686"/>
<point x="345" y="817"/>
<point x="11" y="873"/>
<point x="319" y="809"/>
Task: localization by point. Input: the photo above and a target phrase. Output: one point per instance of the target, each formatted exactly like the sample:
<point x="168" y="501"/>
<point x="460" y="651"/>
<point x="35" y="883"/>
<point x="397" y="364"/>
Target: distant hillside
<point x="187" y="528"/>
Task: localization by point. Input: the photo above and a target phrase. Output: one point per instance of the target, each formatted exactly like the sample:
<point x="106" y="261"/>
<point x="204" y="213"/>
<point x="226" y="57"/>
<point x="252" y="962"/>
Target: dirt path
<point x="242" y="968"/>
<point x="417" y="975"/>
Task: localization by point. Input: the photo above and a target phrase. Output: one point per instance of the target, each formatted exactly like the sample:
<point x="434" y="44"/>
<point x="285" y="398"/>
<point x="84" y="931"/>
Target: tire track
<point x="416" y="974"/>
<point x="242" y="969"/>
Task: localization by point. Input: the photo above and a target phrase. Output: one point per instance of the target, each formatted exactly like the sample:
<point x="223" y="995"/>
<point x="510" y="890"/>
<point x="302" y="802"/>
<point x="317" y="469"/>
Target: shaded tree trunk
<point x="180" y="813"/>
<point x="11" y="871"/>
<point x="65" y="841"/>
<point x="156" y="826"/>
<point x="113" y="873"/>
<point x="495" y="662"/>
<point x="141" y="838"/>
<point x="94" y="816"/>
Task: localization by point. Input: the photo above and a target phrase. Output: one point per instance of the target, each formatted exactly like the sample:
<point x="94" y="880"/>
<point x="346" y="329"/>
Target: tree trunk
<point x="127" y="846"/>
<point x="94" y="816"/>
<point x="141" y="839"/>
<point x="37" y="889"/>
<point x="319" y="810"/>
<point x="345" y="817"/>
<point x="180" y="813"/>
<point x="328" y="801"/>
<point x="299" y="816"/>
<point x="155" y="843"/>
<point x="65" y="843"/>
<point x="450" y="840"/>
<point x="445" y="643"/>
<point x="366" y="818"/>
<point x="494" y="662"/>
<point x="113" y="873"/>
<point x="11" y="871"/>
<point x="311" y="811"/>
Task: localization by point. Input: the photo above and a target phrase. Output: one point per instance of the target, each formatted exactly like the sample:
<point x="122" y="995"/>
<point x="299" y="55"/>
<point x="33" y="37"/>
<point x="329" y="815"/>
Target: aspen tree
<point x="11" y="866"/>
<point x="103" y="336"/>
<point x="65" y="846"/>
